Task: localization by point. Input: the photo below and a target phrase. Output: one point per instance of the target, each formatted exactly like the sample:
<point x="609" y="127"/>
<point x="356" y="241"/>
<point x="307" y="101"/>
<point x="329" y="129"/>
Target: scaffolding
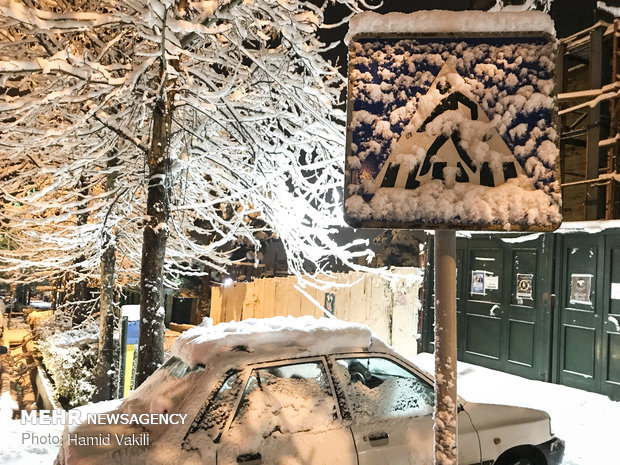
<point x="589" y="119"/>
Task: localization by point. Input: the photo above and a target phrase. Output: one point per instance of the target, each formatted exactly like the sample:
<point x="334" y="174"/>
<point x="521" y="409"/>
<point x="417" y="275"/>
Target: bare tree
<point x="230" y="105"/>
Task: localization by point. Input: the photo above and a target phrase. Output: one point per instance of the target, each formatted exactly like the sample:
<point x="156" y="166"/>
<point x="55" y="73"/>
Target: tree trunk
<point x="54" y="295"/>
<point x="204" y="296"/>
<point x="151" y="342"/>
<point x="80" y="289"/>
<point x="107" y="311"/>
<point x="107" y="320"/>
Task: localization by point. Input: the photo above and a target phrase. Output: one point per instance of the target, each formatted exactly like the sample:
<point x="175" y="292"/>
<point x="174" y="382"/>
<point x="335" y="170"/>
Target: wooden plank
<point x="259" y="298"/>
<point x="307" y="307"/>
<point x="380" y="312"/>
<point x="236" y="295"/>
<point x="216" y="305"/>
<point x="293" y="302"/>
<point x="250" y="301"/>
<point x="358" y="300"/>
<point x="405" y="319"/>
<point x="287" y="301"/>
<point x="319" y="296"/>
<point x="269" y="297"/>
<point x="343" y="308"/>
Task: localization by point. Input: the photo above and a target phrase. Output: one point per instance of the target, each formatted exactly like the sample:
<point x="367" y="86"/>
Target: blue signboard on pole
<point x="133" y="332"/>
<point x="130" y="337"/>
<point x="452" y="131"/>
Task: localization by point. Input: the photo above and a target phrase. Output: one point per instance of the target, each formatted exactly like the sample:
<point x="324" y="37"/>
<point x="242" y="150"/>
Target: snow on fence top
<point x="450" y="122"/>
<point x="437" y="21"/>
<point x="286" y="335"/>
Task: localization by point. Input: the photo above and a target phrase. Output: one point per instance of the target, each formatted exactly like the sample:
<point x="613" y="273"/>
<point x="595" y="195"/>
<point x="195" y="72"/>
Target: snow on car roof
<point x="289" y="335"/>
<point x="450" y="21"/>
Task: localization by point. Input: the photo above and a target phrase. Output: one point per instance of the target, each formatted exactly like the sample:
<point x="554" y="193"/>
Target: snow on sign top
<point x="450" y="21"/>
<point x="292" y="336"/>
<point x="450" y="121"/>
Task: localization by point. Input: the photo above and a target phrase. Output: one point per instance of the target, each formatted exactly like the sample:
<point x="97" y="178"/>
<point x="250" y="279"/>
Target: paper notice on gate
<point x="615" y="291"/>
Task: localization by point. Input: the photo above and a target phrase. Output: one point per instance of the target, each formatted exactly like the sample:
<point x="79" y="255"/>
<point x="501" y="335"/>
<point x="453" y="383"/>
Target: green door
<point x="589" y="318"/>
<point x="580" y="311"/>
<point x="506" y="309"/>
<point x="481" y="314"/>
<point x="610" y="352"/>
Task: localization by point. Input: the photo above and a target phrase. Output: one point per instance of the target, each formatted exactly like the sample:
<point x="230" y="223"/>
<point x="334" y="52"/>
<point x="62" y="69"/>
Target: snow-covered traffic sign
<point x="451" y="122"/>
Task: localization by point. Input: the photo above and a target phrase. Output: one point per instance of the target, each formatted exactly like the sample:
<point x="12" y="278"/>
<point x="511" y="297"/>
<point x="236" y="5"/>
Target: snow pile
<point x="284" y="406"/>
<point x="304" y="334"/>
<point x="614" y="10"/>
<point x="453" y="130"/>
<point x="591" y="227"/>
<point x="450" y="21"/>
<point x="29" y="444"/>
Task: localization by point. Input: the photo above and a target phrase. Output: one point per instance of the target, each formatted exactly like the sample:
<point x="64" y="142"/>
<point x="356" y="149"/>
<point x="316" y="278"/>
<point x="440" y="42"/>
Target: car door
<point x="205" y="432"/>
<point x="288" y="415"/>
<point x="391" y="409"/>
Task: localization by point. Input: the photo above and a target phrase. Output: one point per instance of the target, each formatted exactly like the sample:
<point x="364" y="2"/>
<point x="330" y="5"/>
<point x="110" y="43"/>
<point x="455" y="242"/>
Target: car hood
<point x="501" y="427"/>
<point x="493" y="416"/>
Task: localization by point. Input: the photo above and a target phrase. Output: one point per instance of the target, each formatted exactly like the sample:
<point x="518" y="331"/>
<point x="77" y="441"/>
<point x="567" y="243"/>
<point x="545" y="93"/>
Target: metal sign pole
<point x="445" y="417"/>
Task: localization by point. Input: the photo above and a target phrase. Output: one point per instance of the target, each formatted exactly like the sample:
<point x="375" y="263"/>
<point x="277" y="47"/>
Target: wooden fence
<point x="391" y="310"/>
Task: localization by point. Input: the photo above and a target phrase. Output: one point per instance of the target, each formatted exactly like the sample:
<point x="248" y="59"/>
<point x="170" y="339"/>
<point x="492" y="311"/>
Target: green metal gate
<point x="587" y="352"/>
<point x="503" y="303"/>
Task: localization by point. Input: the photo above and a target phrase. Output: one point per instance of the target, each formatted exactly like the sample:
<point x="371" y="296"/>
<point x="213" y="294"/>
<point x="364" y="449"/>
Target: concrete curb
<point x="44" y="390"/>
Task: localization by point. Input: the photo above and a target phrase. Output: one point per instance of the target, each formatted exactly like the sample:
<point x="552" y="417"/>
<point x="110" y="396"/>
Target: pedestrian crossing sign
<point x="456" y="132"/>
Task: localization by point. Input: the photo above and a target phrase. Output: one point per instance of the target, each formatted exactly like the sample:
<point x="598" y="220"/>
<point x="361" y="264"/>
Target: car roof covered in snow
<point x="287" y="336"/>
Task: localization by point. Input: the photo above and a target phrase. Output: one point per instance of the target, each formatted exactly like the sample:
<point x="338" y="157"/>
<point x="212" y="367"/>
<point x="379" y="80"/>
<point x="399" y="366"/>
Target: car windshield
<point x="287" y="399"/>
<point x="168" y="390"/>
<point x="178" y="368"/>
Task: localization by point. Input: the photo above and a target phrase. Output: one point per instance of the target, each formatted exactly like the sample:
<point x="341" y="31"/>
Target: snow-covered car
<point x="295" y="391"/>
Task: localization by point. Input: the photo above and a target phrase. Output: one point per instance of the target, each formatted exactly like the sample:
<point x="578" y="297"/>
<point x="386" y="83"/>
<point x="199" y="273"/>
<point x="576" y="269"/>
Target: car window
<point x="377" y="387"/>
<point x="212" y="417"/>
<point x="286" y="399"/>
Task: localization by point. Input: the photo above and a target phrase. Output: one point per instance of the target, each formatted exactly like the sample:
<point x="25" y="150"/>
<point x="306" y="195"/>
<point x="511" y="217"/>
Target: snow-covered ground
<point x="589" y="423"/>
<point x="22" y="444"/>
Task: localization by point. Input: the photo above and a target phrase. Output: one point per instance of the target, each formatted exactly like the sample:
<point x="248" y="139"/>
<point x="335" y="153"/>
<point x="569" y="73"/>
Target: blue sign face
<point x="447" y="132"/>
<point x="133" y="332"/>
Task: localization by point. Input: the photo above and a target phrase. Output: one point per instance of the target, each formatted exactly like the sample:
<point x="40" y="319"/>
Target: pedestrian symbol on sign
<point x="428" y="149"/>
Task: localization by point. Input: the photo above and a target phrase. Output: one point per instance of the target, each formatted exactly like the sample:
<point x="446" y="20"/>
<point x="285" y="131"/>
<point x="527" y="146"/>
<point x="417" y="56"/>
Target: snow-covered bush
<point x="38" y="317"/>
<point x="70" y="357"/>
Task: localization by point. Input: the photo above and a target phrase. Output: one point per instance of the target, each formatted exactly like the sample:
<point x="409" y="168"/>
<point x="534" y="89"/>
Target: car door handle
<point x="378" y="439"/>
<point x="250" y="459"/>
